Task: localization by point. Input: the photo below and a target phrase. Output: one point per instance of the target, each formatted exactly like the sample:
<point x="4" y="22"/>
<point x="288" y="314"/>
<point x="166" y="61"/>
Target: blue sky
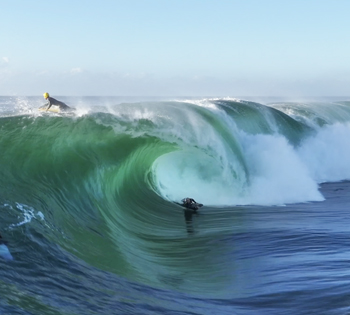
<point x="175" y="47"/>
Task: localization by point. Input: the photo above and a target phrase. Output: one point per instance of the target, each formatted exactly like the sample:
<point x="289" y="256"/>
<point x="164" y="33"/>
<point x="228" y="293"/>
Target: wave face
<point x="107" y="177"/>
<point x="222" y="152"/>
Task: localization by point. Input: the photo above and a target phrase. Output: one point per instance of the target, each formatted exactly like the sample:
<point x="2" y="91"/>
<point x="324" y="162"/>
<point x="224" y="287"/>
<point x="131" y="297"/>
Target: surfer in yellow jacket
<point x="52" y="101"/>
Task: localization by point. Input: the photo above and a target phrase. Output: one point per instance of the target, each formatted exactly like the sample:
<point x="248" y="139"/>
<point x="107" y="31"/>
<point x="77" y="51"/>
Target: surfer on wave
<point x="190" y="203"/>
<point x="52" y="101"/>
<point x="191" y="207"/>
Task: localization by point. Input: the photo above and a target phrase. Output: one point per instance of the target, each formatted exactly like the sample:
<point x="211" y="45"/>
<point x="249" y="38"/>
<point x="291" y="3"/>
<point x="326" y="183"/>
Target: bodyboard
<point x="52" y="109"/>
<point x="194" y="206"/>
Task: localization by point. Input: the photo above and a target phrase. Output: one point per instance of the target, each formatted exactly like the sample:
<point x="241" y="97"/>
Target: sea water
<point x="88" y="206"/>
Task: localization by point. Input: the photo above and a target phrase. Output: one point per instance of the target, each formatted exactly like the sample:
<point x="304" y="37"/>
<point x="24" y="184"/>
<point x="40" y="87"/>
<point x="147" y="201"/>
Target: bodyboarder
<point x="52" y="101"/>
<point x="190" y="203"/>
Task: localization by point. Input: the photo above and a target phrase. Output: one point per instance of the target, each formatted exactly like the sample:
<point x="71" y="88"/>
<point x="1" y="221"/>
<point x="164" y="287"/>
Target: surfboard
<point x="52" y="109"/>
<point x="5" y="253"/>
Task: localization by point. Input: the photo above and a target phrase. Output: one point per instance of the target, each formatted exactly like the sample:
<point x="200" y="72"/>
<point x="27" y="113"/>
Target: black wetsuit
<point x="190" y="203"/>
<point x="52" y="101"/>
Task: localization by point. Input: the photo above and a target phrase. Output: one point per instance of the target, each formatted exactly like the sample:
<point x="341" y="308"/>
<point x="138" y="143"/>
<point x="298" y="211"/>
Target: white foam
<point x="327" y="153"/>
<point x="28" y="213"/>
<point x="277" y="173"/>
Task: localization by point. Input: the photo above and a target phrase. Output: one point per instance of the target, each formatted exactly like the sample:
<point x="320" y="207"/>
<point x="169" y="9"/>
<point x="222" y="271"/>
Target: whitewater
<point x="91" y="224"/>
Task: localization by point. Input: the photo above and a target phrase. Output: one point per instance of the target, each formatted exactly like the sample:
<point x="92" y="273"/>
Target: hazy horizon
<point x="183" y="48"/>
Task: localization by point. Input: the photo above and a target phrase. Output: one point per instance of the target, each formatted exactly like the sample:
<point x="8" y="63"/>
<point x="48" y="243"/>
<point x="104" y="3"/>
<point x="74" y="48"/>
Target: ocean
<point x="90" y="222"/>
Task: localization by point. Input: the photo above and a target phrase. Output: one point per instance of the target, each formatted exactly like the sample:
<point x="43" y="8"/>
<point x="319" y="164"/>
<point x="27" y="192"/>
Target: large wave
<point x="103" y="180"/>
<point x="220" y="152"/>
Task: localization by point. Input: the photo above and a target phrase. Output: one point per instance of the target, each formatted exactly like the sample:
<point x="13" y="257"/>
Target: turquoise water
<point x="87" y="207"/>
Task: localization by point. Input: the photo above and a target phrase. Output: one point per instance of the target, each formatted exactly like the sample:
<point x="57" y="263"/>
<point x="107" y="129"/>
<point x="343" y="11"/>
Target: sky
<point x="175" y="47"/>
